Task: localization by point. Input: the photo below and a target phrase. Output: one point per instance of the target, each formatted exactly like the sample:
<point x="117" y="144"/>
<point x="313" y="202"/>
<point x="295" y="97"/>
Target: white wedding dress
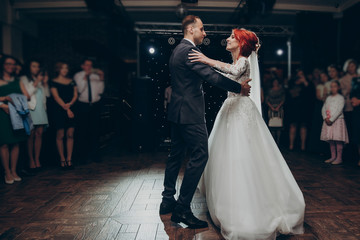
<point x="250" y="191"/>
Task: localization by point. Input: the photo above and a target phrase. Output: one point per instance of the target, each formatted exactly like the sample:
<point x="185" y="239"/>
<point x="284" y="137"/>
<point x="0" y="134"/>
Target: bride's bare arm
<point x="232" y="69"/>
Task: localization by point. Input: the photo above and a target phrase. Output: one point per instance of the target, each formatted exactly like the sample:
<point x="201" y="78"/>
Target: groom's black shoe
<point x="186" y="216"/>
<point x="167" y="207"/>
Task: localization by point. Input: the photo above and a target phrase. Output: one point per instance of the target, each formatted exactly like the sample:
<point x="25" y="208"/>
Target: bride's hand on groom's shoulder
<point x="245" y="87"/>
<point x="196" y="56"/>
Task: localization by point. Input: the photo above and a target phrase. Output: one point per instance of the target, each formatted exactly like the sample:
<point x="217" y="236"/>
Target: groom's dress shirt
<point x="190" y="42"/>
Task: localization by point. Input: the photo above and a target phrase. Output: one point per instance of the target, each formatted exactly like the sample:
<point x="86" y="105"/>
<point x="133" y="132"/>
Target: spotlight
<point x="206" y="41"/>
<point x="171" y="40"/>
<point x="279" y="52"/>
<point x="181" y="11"/>
<point x="151" y="50"/>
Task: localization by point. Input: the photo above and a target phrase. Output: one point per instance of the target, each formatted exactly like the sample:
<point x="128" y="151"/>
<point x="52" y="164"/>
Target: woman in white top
<point x="36" y="84"/>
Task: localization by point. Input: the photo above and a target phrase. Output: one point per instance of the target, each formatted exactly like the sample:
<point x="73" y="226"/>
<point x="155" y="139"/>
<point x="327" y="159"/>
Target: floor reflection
<point x="180" y="231"/>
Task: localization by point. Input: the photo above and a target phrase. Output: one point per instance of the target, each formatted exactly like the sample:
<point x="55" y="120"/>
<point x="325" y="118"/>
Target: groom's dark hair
<point x="189" y="19"/>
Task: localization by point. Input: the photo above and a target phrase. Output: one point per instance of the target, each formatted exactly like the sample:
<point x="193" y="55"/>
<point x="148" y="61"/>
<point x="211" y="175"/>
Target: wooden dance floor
<point x="119" y="199"/>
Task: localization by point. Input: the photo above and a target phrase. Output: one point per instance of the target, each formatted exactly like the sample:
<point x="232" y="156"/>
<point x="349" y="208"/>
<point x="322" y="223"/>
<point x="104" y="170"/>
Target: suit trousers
<point x="194" y="138"/>
<point x="88" y="130"/>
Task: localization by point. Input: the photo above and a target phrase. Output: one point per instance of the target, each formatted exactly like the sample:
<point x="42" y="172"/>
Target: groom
<point x="187" y="116"/>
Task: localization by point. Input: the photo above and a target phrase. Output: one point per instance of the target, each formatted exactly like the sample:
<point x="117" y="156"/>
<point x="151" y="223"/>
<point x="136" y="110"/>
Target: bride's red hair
<point x="248" y="41"/>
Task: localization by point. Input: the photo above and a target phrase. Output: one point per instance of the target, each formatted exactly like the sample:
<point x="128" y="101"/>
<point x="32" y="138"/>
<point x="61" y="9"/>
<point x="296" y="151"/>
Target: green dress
<point x="7" y="134"/>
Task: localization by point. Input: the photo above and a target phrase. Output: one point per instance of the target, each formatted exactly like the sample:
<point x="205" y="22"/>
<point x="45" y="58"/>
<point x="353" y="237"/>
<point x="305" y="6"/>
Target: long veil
<point x="255" y="92"/>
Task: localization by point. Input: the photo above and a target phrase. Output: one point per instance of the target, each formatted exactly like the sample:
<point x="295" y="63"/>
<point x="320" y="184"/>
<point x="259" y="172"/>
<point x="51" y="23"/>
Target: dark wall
<point x="68" y="40"/>
<point x="316" y="37"/>
<point x="350" y="34"/>
<point x="72" y="40"/>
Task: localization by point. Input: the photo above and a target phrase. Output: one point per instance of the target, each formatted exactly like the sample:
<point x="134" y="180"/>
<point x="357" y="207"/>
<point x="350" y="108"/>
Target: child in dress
<point x="334" y="128"/>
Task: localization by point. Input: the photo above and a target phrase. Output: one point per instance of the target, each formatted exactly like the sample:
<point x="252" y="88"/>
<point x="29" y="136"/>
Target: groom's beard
<point x="198" y="41"/>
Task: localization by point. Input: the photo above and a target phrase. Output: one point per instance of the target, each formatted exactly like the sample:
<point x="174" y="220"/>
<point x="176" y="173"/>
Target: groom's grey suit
<point x="187" y="114"/>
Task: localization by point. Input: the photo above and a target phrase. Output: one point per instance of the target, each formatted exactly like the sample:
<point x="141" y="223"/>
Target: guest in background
<point x="36" y="84"/>
<point x="90" y="84"/>
<point x="309" y="77"/>
<point x="18" y="68"/>
<point x="322" y="91"/>
<point x="350" y="68"/>
<point x="9" y="139"/>
<point x="275" y="100"/>
<point x="355" y="101"/>
<point x="333" y="72"/>
<point x="64" y="93"/>
<point x="324" y="80"/>
<point x="299" y="108"/>
<point x="316" y="76"/>
<point x="334" y="128"/>
<point x="323" y="87"/>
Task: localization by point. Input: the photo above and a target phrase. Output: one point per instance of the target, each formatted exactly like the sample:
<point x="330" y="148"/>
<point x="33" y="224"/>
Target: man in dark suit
<point x="187" y="115"/>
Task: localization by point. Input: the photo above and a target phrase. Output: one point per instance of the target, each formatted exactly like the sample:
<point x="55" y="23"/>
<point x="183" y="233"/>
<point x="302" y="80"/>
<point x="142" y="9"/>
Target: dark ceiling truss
<point x="212" y="29"/>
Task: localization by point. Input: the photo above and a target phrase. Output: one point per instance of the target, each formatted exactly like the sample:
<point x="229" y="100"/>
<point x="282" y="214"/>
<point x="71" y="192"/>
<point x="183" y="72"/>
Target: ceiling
<point x="164" y="10"/>
<point x="230" y="5"/>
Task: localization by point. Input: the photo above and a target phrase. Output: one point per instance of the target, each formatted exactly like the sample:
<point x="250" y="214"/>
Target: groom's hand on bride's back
<point x="245" y="87"/>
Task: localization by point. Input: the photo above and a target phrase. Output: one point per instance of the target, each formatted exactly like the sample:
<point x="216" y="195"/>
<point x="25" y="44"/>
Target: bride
<point x="250" y="191"/>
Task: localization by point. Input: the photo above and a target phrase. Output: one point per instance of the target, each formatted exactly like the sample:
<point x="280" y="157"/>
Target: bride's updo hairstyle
<point x="248" y="41"/>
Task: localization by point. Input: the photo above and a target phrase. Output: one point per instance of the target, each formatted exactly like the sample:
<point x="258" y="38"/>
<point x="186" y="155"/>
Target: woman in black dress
<point x="299" y="108"/>
<point x="64" y="93"/>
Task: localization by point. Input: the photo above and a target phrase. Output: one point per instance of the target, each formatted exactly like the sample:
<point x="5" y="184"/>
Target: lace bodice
<point x="239" y="71"/>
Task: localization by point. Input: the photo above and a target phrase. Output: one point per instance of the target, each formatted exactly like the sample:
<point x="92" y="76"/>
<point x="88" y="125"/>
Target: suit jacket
<point x="187" y="105"/>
